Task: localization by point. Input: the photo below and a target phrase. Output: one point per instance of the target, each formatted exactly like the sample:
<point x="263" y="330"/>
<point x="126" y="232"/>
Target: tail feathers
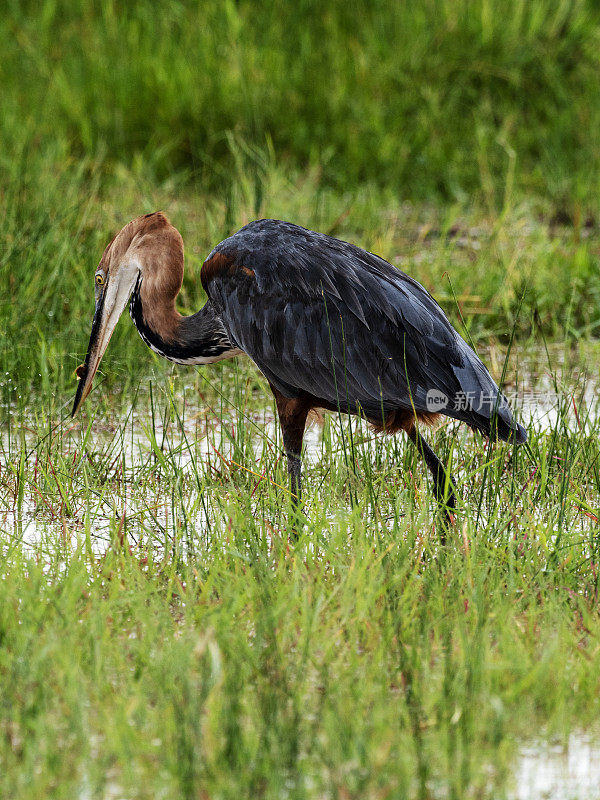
<point x="500" y="424"/>
<point x="496" y="420"/>
<point x="499" y="427"/>
<point x="481" y="403"/>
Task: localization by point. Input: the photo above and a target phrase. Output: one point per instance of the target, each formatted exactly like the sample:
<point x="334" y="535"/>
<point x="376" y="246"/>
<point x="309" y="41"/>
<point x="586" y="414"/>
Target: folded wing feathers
<point x="326" y="317"/>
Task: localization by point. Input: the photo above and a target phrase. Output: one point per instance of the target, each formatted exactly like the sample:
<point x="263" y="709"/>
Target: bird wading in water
<point x="330" y="326"/>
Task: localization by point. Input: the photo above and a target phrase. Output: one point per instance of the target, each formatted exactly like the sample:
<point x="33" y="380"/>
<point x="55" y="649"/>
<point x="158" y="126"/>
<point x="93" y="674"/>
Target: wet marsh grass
<point x="161" y="634"/>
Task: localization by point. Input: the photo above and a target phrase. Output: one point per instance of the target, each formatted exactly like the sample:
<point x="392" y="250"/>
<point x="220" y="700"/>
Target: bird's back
<point x="325" y="317"/>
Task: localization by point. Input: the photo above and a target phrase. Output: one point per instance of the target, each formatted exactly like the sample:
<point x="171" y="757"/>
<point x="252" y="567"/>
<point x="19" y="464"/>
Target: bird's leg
<point x="294" y="471"/>
<point x="292" y="418"/>
<point x="442" y="482"/>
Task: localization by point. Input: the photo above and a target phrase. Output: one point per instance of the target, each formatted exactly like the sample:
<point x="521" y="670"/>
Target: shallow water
<point x="569" y="771"/>
<point x="564" y="396"/>
<point x="543" y="771"/>
<point x="540" y="404"/>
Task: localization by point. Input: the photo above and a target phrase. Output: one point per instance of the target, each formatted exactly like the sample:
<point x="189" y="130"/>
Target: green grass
<point x="160" y="635"/>
<point x="59" y="214"/>
<point x="442" y="98"/>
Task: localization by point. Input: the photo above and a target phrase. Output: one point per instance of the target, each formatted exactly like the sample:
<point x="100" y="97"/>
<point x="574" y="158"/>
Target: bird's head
<point x="150" y="250"/>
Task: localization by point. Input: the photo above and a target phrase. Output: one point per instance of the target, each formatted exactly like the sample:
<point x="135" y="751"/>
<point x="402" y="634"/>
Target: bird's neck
<point x="197" y="339"/>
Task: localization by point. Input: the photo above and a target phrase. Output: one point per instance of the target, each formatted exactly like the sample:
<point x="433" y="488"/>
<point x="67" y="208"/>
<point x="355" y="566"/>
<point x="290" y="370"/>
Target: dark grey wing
<point x="322" y="316"/>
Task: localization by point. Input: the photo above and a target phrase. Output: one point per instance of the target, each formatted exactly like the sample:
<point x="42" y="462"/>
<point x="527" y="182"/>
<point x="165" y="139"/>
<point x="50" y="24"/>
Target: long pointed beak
<point x="109" y="308"/>
<point x="94" y="354"/>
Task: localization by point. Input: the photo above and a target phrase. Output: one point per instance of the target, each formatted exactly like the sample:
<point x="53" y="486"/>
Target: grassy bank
<point x="459" y="140"/>
<point x="440" y="98"/>
<point x="518" y="270"/>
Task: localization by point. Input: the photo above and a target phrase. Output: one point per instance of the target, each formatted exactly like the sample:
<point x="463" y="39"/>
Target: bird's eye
<point x="99" y="279"/>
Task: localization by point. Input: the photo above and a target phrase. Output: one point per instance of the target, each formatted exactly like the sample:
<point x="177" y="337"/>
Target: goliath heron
<point x="330" y="326"/>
